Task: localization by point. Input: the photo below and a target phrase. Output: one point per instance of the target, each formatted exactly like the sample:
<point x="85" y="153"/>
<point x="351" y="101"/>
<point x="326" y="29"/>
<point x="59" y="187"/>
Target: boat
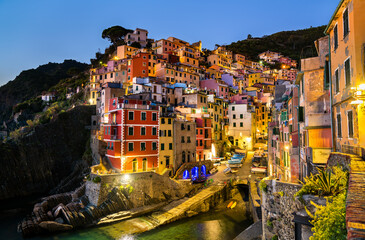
<point x="227" y="170"/>
<point x="260" y="169"/>
<point x="230" y="204"/>
<point x="199" y="179"/>
<point x="236" y="159"/>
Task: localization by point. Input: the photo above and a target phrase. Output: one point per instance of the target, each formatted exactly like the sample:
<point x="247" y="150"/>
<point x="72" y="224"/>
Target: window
<point x="241" y="116"/>
<point x="154" y="131"/>
<point x="130" y="147"/>
<point x="143" y="131"/>
<point x="347" y="72"/>
<point x="188" y="140"/>
<point x="241" y="124"/>
<point x="182" y="139"/>
<point x="326" y="75"/>
<point x="169" y="121"/>
<point x="154" y="116"/>
<point x="188" y="127"/>
<point x="143" y="146"/>
<point x="345" y="22"/>
<point x="335" y="38"/>
<point x="234" y="116"/>
<point x="234" y="124"/>
<point x="154" y="145"/>
<point x="339" y="133"/>
<point x="350" y="124"/>
<point x="130" y="131"/>
<point x="169" y="133"/>
<point x="183" y="157"/>
<point x="170" y="146"/>
<point x="337" y="82"/>
<point x="162" y="120"/>
<point x="233" y="108"/>
<point x="130" y="115"/>
<point x="143" y="116"/>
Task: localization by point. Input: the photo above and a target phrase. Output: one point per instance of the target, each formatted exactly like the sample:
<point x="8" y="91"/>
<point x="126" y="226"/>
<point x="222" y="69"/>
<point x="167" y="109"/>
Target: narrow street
<point x="243" y="172"/>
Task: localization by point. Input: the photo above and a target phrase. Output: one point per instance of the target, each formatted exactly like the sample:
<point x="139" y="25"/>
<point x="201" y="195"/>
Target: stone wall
<point x="145" y="188"/>
<point x="355" y="202"/>
<point x="278" y="205"/>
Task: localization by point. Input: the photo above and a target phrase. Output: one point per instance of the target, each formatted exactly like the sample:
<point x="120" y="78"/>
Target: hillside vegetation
<point x="31" y="83"/>
<point x="294" y="44"/>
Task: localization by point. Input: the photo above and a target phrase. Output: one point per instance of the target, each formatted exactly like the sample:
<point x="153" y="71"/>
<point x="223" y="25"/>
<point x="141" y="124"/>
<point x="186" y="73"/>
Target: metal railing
<point x="356" y="150"/>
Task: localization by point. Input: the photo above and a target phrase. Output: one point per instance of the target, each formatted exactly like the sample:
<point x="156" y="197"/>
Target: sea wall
<point x="144" y="188"/>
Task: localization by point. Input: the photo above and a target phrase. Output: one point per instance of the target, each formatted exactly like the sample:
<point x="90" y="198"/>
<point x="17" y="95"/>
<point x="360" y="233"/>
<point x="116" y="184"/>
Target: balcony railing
<point x="114" y="137"/>
<point x="359" y="151"/>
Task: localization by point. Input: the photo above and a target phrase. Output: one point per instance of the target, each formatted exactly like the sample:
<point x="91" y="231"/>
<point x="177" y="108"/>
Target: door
<point x="135" y="165"/>
<point x="167" y="162"/>
<point x="144" y="165"/>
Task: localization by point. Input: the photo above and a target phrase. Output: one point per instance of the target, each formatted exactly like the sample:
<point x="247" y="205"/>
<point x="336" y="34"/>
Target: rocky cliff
<point x="49" y="159"/>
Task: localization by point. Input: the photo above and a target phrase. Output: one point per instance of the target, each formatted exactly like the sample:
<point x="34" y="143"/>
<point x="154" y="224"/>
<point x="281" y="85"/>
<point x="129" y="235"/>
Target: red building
<point x="203" y="138"/>
<point x="132" y="135"/>
<point x="138" y="66"/>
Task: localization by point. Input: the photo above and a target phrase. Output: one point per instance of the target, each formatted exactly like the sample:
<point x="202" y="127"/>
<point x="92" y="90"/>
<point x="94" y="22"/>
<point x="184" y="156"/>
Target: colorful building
<point x="347" y="37"/>
<point x="132" y="135"/>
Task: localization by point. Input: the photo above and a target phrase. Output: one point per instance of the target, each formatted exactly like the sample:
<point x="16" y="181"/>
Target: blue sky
<point x="35" y="32"/>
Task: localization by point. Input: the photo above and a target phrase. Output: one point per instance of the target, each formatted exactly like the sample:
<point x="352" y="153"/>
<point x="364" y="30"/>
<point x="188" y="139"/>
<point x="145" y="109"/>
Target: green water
<point x="216" y="224"/>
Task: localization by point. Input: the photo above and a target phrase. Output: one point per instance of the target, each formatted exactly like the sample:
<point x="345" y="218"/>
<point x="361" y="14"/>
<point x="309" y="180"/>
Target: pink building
<point x="220" y="88"/>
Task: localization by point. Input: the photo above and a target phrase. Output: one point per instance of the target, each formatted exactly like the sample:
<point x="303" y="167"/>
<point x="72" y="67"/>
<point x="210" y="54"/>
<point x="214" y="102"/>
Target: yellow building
<point x="347" y="38"/>
<point x="126" y="51"/>
<point x="166" y="154"/>
<point x="94" y="85"/>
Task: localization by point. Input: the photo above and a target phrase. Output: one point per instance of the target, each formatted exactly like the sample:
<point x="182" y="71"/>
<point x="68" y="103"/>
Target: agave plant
<point x="328" y="182"/>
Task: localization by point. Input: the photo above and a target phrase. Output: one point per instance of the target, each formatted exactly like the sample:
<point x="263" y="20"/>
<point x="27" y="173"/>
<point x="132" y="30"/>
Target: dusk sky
<point x="41" y="31"/>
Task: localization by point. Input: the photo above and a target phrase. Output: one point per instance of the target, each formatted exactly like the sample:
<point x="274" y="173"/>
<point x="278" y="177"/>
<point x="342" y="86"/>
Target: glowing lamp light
<point x="357" y="102"/>
<point x="361" y="87"/>
<point x="126" y="177"/>
<point x="286" y="147"/>
<point x="91" y="101"/>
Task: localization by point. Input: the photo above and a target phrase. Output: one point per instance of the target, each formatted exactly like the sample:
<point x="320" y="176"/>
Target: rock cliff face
<point x="48" y="157"/>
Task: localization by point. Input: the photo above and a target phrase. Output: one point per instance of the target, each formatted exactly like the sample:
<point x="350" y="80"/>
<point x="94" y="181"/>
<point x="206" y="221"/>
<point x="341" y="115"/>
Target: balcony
<point x="137" y="106"/>
<point x="114" y="137"/>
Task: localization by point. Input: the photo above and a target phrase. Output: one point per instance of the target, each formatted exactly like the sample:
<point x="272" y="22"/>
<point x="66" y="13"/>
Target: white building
<point x="241" y="120"/>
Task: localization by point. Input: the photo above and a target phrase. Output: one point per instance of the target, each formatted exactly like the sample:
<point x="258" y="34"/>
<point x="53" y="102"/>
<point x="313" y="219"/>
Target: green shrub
<point x="275" y="237"/>
<point x="330" y="221"/>
<point x="97" y="179"/>
<point x="328" y="182"/>
<point x="263" y="186"/>
<point x="269" y="223"/>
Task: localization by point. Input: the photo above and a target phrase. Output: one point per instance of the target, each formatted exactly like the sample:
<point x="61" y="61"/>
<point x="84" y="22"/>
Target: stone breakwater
<point x="108" y="199"/>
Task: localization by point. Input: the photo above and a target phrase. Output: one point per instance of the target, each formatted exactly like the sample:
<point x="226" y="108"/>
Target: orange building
<point x="138" y="66"/>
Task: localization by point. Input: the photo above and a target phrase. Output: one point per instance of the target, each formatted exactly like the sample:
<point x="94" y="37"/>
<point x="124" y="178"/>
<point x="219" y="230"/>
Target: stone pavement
<point x="172" y="213"/>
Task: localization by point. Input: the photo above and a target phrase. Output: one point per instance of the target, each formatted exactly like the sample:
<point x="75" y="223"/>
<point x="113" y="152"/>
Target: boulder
<point x="52" y="226"/>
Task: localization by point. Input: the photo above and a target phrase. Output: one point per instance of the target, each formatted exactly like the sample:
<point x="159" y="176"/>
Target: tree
<point x="115" y="34"/>
<point x="149" y="45"/>
<point x="136" y="45"/>
<point x="249" y="36"/>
